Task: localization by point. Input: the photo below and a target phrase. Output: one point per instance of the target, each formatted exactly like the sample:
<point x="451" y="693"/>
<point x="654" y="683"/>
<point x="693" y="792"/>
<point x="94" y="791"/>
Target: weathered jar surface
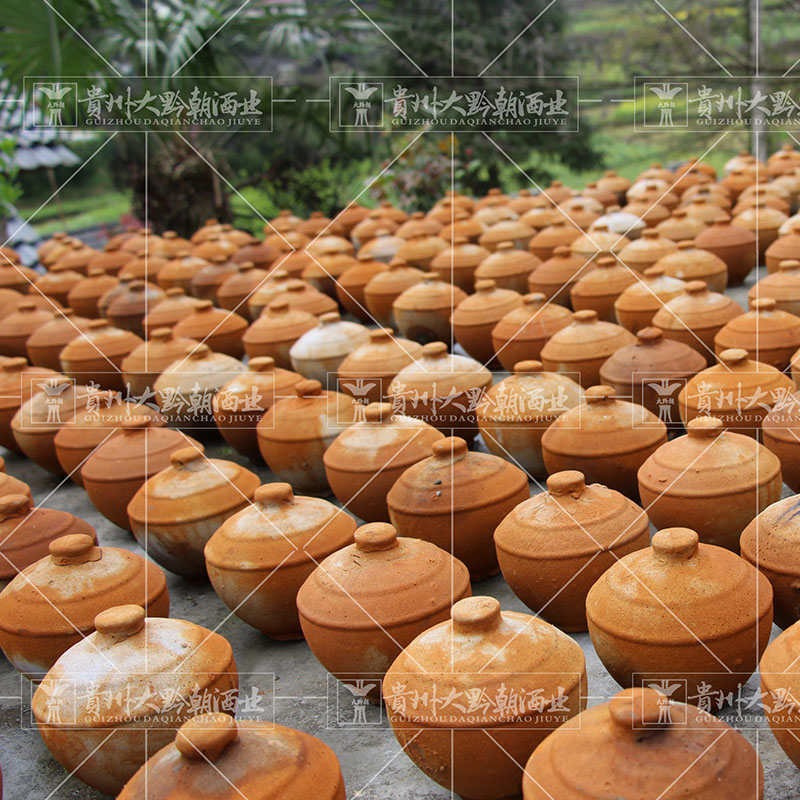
<point x="780" y="431"/>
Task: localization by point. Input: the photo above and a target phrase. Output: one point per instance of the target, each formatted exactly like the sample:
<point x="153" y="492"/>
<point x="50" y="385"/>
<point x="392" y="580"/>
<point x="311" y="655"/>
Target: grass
<point x="77" y="210"/>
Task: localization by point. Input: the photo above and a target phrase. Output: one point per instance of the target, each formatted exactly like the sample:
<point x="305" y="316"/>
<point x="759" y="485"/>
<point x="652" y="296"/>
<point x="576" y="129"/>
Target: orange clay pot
<point x="635" y="308"/>
<point x="17" y="327"/>
<point x="735" y="245"/>
<point x="45" y="344"/>
<point x="783" y="286"/>
<point x="690" y="263"/>
<point x="643" y="253"/>
<point x="599" y="289"/>
<point x="556" y="276"/>
<point x="423" y="311"/>
<point x="457" y="264"/>
<point x="382" y="290"/>
<point x="221" y="330"/>
<point x="508" y="267"/>
<point x="143" y="365"/>
<point x="18" y="382"/>
<point x="129" y="310"/>
<point x="168" y="312"/>
<point x="351" y="284"/>
<point x="276" y="330"/>
<point x="780" y="430"/>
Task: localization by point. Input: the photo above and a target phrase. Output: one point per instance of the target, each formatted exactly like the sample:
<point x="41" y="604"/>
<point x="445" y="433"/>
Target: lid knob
<point x="262" y="364"/>
<point x="485" y="286"/>
<point x="599" y="394"/>
<point x="203" y="306"/>
<point x="381" y="334"/>
<point x="789" y="265"/>
<point x="378" y="412"/>
<point x="376" y="536"/>
<point x="204" y="737"/>
<point x="451" y="447"/>
<point x="733" y="356"/>
<point x="639" y="711"/>
<point x="200" y="351"/>
<point x="273" y="494"/>
<point x="675" y="544"/>
<point x="476" y="614"/>
<point x="763" y="304"/>
<point x="536" y="299"/>
<point x="120" y="621"/>
<point x="329" y="318"/>
<point x="161" y="334"/>
<point x="186" y="455"/>
<point x="14" y="505"/>
<point x="654" y="272"/>
<point x="277" y="307"/>
<point x="585" y="316"/>
<point x="696" y="287"/>
<point x="570" y="481"/>
<point x="434" y="350"/>
<point x="704" y="427"/>
<point x="527" y="367"/>
<point x="76" y="548"/>
<point x="308" y="389"/>
<point x="650" y="335"/>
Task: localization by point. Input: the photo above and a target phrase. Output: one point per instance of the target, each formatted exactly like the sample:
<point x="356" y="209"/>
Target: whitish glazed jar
<point x="494" y="654"/>
<point x="295" y="433"/>
<point x="277" y="329"/>
<point x="635" y="308"/>
<point x="230" y="759"/>
<point x="711" y="480"/>
<point x="258" y="559"/>
<point x="649" y="623"/>
<point x="508" y="266"/>
<point x="369" y="600"/>
<point x="142" y="366"/>
<point x="423" y="311"/>
<point x="51" y="605"/>
<point x="691" y="263"/>
<point x="599" y="289"/>
<point x="642" y="744"/>
<point x="455" y="499"/>
<point x="176" y="511"/>
<point x="142" y="665"/>
<point x="605" y="438"/>
<point x="514" y="413"/>
<point x="364" y="461"/>
<point x="554" y="546"/>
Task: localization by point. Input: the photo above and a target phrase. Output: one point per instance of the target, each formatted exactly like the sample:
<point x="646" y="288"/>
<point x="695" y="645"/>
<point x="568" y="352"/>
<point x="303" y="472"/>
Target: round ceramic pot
<point x="489" y="653"/>
<point x="274" y="286"/>
<point x="508" y="266"/>
<point x="17" y="328"/>
<point x="324" y="270"/>
<point x="783" y="248"/>
<point x="599" y="289"/>
<point x="142" y="666"/>
<point x="562" y="233"/>
<point x="351" y="284"/>
<point x="369" y="600"/>
<point x="57" y="285"/>
<point x="611" y="182"/>
<point x="764" y="222"/>
<point x="51" y="605"/>
<point x="206" y="281"/>
<point x="605" y="438"/>
<point x="18" y="382"/>
<point x="690" y="263"/>
<point x="141" y="368"/>
<point x="783" y="286"/>
<point x="643" y="253"/>
<point x="423" y="311"/>
<point x="235" y="290"/>
<point x="11" y="485"/>
<point x="274" y="333"/>
<point x="128" y="311"/>
<point x="258" y="558"/>
<point x="457" y="264"/>
<point x="734" y="244"/>
<point x="599" y="243"/>
<point x="221" y="330"/>
<point x="680" y="227"/>
<point x="45" y="344"/>
<point x="780" y="430"/>
<point x="118" y="290"/>
<point x="438" y="500"/>
<point x="420" y="251"/>
<point x="635" y="308"/>
<point x="556" y="276"/>
<point x="382" y="290"/>
<point x="649" y="624"/>
<point x="507" y="230"/>
<point x="176" y="511"/>
<point x="168" y="312"/>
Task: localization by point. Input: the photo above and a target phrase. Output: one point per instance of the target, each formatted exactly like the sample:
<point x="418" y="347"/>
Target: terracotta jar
<point x="476" y="316"/>
<point x="650" y="624"/>
<point x="734" y="244"/>
<point x="117" y="469"/>
<point x="45" y="344"/>
<point x="318" y="353"/>
<point x="579" y="349"/>
<point x="366" y="373"/>
<point x="423" y="311"/>
<point x="371" y="227"/>
<point x="643" y="253"/>
<point x="143" y="267"/>
<point x="607" y="439"/>
<point x="368" y="601"/>
<point x="129" y="309"/>
<point x="179" y="271"/>
<point x="441" y="388"/>
<point x="221" y="330"/>
<point x="737" y="390"/>
<point x="690" y="263"/>
<point x="783" y="248"/>
<point x="260" y="255"/>
<point x="514" y="413"/>
<point x="768" y="334"/>
<point x="782" y="286"/>
<point x="155" y="660"/>
<point x="10" y="485"/>
<point x="295" y="433"/>
<point x="764" y="222"/>
<point x="176" y="511"/>
<point x="507" y="230"/>
<point x="185" y="389"/>
<point x="382" y="290"/>
<point x="640" y="744"/>
<point x="169" y="311"/>
<point x="419" y="225"/>
<point x="118" y="290"/>
<point x="611" y="182"/>
<point x="17" y="328"/>
<point x="206" y="281"/>
<point x="304" y="296"/>
<point x="26" y="532"/>
<point x="226" y="758"/>
<point x="142" y="366"/>
<point x="483" y="651"/>
<point x="680" y="226"/>
<point x="457" y="264"/>
<point x="420" y="251"/>
<point x="352" y="282"/>
<point x="599" y="243"/>
<point x="696" y="317"/>
<point x="780" y="430"/>
<point x="508" y="267"/>
<point x="258" y="558"/>
<point x="52" y="604"/>
<point x="57" y="285"/>
<point x="20" y="279"/>
<point x="97" y="354"/>
<point x="455" y="499"/>
<point x="364" y="461"/>
<point x="90" y="427"/>
<point x="277" y="329"/>
<point x="18" y="382"/>
<point x="556" y="276"/>
<point x="110" y="261"/>
<point x="324" y="270"/>
<point x="244" y="399"/>
<point x="8" y="301"/>
<point x="635" y="308"/>
<point x="554" y="546"/>
<point x="275" y="285"/>
<point x="562" y="233"/>
<point x="598" y="289"/>
<point x="522" y="332"/>
<point x="711" y="480"/>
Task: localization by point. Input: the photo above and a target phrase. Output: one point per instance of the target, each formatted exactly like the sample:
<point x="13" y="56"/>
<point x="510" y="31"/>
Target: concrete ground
<point x="295" y="689"/>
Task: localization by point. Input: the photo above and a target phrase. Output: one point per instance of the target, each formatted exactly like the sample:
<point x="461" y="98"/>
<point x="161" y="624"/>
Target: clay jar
<point x="45" y="344"/>
<point x="10" y="485"/>
<point x="560" y="234"/>
<point x="351" y="283"/>
<point x="168" y="312"/>
<point x="711" y="480"/>
<point x="441" y="388"/>
<point x="18" y="382"/>
<point x="277" y="329"/>
<point x="129" y="309"/>
<point x="734" y="244"/>
<point x="155" y="660"/>
<point x="579" y="349"/>
<point x="476" y="316"/>
<point x="599" y="289"/>
<point x="421" y="250"/>
<point x="522" y="332"/>
<point x="17" y="327"/>
<point x="652" y="371"/>
<point x="554" y="546"/>
<point x="607" y="439"/>
<point x="318" y="353"/>
<point x="423" y="311"/>
<point x="142" y="366"/>
<point x="696" y="317"/>
<point x="649" y="623"/>
<point x="221" y="330"/>
<point x="52" y="604"/>
<point x="455" y="499"/>
<point x="768" y="334"/>
<point x="259" y="558"/>
<point x="640" y="744"/>
<point x="770" y="542"/>
<point x="243" y="400"/>
<point x="556" y="276"/>
<point x="780" y="430"/>
<point x="97" y="355"/>
<point x="382" y="290"/>
<point x="213" y="754"/>
<point x="274" y="286"/>
<point x="57" y="285"/>
<point x="785" y="247"/>
<point x="514" y="413"/>
<point x="295" y="433"/>
<point x="782" y="286"/>
<point x="364" y="461"/>
<point x="635" y="307"/>
<point x="491" y="653"/>
<point x="176" y="511"/>
<point x="737" y="390"/>
<point x="366" y="373"/>
<point x="690" y="263"/>
<point x="119" y="467"/>
<point x="83" y="297"/>
<point x="368" y="601"/>
<point x="457" y="264"/>
<point x="644" y="252"/>
<point x="764" y="222"/>
<point x="508" y="267"/>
